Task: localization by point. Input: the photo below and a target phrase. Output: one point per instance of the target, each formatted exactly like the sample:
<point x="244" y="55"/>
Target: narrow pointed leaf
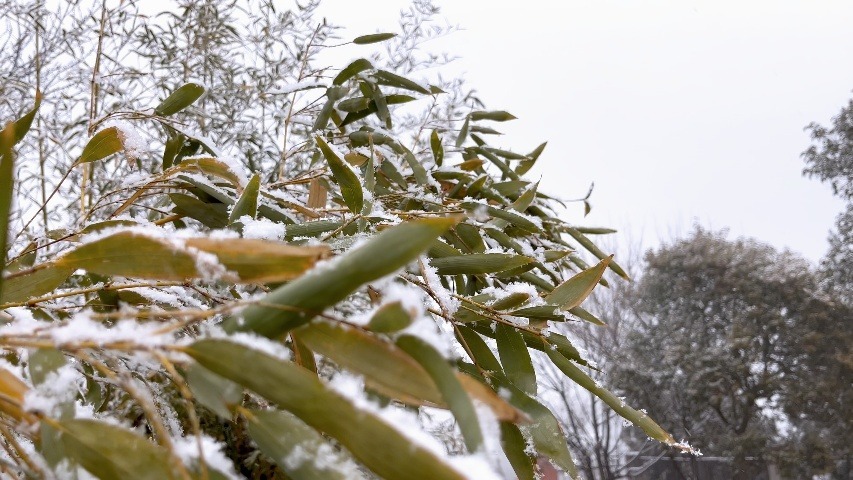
<point x="393" y="80"/>
<point x="218" y="394"/>
<point x="317" y="194"/>
<point x="7" y="191"/>
<point x="103" y="144"/>
<point x="515" y="447"/>
<point x="23" y="124"/>
<point x="593" y="249"/>
<point x="452" y="391"/>
<point x="299" y="301"/>
<point x="478" y="263"/>
<point x="12" y="388"/>
<point x="585" y="315"/>
<point x="347" y="178"/>
<point x="388" y="369"/>
<point x="497" y="116"/>
<point x="636" y="417"/>
<point x="180" y="99"/>
<point x="352" y="70"/>
<point x="436" y="147"/>
<point x="113" y="453"/>
<point x="373" y="38"/>
<point x="213" y="215"/>
<point x="298" y="449"/>
<point x="515" y="358"/>
<point x="376" y="444"/>
<point x="573" y="291"/>
<point x="33" y="282"/>
<point x="525" y="165"/>
<point x="389" y="318"/>
<point x="248" y="202"/>
<point x="463" y="132"/>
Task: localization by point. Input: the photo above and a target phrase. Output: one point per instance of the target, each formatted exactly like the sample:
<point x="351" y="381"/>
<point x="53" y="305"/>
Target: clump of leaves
<point x="206" y="323"/>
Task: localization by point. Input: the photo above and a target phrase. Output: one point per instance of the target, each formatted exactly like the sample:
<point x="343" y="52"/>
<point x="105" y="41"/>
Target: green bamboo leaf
<point x="452" y="391"/>
<point x="387" y="368"/>
<point x="418" y="170"/>
<point x="497" y="116"/>
<point x="525" y="199"/>
<point x="113" y="453"/>
<point x="463" y="132"/>
<point x="478" y="263"/>
<point x="511" y="217"/>
<point x="389" y="318"/>
<point x="393" y="99"/>
<point x="470" y="237"/>
<point x="525" y="165"/>
<point x="474" y="345"/>
<point x="593" y="249"/>
<point x="218" y="394"/>
<point x="318" y="289"/>
<point x="384" y="77"/>
<point x="515" y="447"/>
<point x="23" y="124"/>
<point x="103" y="144"/>
<point x="356" y="104"/>
<point x="248" y="202"/>
<point x="373" y="38"/>
<point x="297" y="448"/>
<point x="585" y="315"/>
<point x="31" y="283"/>
<point x="381" y="103"/>
<point x="636" y="417"/>
<point x="130" y="254"/>
<point x="503" y="165"/>
<point x="345" y="176"/>
<point x="555" y="341"/>
<point x="595" y="230"/>
<point x="544" y="429"/>
<point x="213" y="215"/>
<point x="484" y="130"/>
<point x="505" y="153"/>
<point x="333" y="94"/>
<point x="376" y="444"/>
<point x="436" y="147"/>
<point x="515" y="358"/>
<point x="42" y="362"/>
<point x="352" y="70"/>
<point x="7" y="180"/>
<point x="180" y="99"/>
<point x="573" y="291"/>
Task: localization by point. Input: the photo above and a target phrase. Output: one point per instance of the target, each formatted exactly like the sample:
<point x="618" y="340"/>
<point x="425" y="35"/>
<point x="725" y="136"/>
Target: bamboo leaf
<point x="390" y="79"/>
<point x="497" y="116"/>
<point x="297" y="448"/>
<point x="593" y="249"/>
<point x="248" y="202"/>
<point x="12" y="388"/>
<point x="573" y="291"/>
<point x="389" y="318"/>
<point x="42" y="362"/>
<point x="436" y="147"/>
<point x="463" y="132"/>
<point x="303" y="298"/>
<point x="23" y="124"/>
<point x="388" y="368"/>
<point x="352" y="70"/>
<point x="515" y="358"/>
<point x="213" y="215"/>
<point x="585" y="315"/>
<point x="347" y="179"/>
<point x="636" y="417"/>
<point x="34" y="282"/>
<point x="114" y="453"/>
<point x="525" y="165"/>
<point x="180" y="99"/>
<point x="218" y="394"/>
<point x="317" y="194"/>
<point x="478" y="263"/>
<point x="515" y="447"/>
<point x="7" y="191"/>
<point x="103" y="144"/>
<point x="373" y="38"/>
<point x="376" y="444"/>
<point x="451" y="389"/>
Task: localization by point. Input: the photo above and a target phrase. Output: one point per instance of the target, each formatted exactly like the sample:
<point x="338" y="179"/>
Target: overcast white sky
<point x="677" y="110"/>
